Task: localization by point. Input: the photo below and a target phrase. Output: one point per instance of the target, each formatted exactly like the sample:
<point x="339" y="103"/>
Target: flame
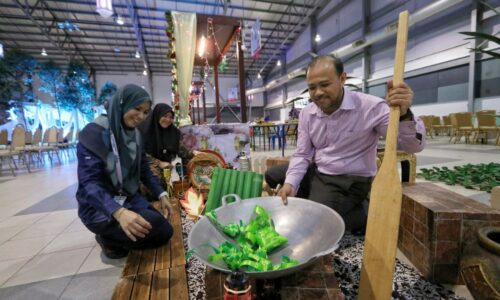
<point x="193" y="203"/>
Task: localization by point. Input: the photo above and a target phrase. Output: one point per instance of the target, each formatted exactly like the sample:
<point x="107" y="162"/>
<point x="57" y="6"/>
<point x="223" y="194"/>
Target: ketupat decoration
<point x="193" y="203"/>
<point x="255" y="241"/>
<point x="483" y="177"/>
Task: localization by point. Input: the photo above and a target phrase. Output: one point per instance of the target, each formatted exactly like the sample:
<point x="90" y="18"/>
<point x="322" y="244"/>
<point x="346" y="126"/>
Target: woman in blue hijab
<point x="110" y="168"/>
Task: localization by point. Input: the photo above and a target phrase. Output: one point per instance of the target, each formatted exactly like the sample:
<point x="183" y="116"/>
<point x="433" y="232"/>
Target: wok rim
<point x="273" y="273"/>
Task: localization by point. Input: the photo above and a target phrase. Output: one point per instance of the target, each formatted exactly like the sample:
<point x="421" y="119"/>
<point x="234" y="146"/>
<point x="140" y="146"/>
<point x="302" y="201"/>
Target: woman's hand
<point x="133" y="224"/>
<point x="166" y="207"/>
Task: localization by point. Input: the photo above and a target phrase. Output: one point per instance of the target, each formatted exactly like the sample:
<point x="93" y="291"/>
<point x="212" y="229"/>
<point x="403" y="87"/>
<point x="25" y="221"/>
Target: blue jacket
<point x="95" y="194"/>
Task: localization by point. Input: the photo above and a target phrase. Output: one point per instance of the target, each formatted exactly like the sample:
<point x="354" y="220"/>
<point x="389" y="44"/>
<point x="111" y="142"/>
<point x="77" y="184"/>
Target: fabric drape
<point x="185" y="45"/>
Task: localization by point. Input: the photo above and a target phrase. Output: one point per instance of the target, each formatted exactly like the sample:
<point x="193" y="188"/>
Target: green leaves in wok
<point x="255" y="240"/>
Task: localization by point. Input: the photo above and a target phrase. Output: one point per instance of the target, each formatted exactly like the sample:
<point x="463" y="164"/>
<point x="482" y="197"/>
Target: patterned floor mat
<point x="408" y="284"/>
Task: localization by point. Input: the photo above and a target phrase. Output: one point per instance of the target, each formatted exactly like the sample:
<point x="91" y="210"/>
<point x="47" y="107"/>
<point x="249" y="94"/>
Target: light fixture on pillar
<point x="278" y="63"/>
<point x="258" y="76"/>
<point x="120" y="20"/>
<point x="1" y="51"/>
<point x="44" y="53"/>
<point x="104" y="8"/>
<point x="145" y="72"/>
<point x="317" y="38"/>
<point x="137" y="54"/>
<point x="201" y="47"/>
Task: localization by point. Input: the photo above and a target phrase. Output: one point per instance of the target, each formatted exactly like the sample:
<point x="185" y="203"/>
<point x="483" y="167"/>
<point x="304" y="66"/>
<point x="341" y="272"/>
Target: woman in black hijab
<point x="162" y="140"/>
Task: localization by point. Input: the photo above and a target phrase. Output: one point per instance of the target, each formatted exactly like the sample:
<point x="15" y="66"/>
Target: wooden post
<point x="217" y="105"/>
<point x="198" y="108"/>
<point x="241" y="76"/>
<point x="204" y="106"/>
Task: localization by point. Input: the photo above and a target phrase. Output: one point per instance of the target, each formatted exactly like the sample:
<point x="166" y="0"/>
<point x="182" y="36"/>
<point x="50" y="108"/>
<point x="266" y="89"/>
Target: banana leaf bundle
<point x="254" y="242"/>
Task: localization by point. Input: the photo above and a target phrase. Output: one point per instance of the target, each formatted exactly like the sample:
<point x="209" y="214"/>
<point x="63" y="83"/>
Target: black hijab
<point x="161" y="143"/>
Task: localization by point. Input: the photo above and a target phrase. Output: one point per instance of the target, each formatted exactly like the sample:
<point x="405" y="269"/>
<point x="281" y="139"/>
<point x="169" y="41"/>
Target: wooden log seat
<point x="435" y="226"/>
<point x="156" y="273"/>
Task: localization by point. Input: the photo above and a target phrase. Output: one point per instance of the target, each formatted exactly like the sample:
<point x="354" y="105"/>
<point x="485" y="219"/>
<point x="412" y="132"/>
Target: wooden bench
<point x="157" y="273"/>
<point x="435" y="226"/>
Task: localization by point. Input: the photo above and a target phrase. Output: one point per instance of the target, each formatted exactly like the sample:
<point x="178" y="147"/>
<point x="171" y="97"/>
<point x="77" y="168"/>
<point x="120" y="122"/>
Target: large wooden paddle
<point x="385" y="200"/>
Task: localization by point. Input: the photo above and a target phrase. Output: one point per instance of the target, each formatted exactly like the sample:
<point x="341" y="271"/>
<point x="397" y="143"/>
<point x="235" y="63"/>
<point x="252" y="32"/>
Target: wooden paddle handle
<point x="399" y="68"/>
<point x="379" y="254"/>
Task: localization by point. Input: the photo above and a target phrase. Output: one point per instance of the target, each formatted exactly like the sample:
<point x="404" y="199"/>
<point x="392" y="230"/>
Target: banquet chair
<point x="18" y="146"/>
<point x="462" y="126"/>
<point x="4" y="137"/>
<point x="5" y="152"/>
<point x="486" y="123"/>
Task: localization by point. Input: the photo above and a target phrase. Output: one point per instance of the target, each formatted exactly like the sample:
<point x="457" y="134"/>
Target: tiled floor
<point x="46" y="252"/>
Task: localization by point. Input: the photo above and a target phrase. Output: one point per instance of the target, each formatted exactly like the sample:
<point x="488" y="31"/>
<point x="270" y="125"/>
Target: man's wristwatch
<point x="406" y="117"/>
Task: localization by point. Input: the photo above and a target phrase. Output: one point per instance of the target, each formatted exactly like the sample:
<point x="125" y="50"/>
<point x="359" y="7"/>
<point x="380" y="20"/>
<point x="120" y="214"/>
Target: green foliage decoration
<point x="481" y="177"/>
<point x="78" y="91"/>
<point x="484" y="37"/>
<point x="16" y="75"/>
<point x="52" y="82"/>
<point x="108" y="89"/>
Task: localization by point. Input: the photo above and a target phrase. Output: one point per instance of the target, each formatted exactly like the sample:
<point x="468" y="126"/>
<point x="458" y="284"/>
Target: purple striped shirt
<point x="345" y="142"/>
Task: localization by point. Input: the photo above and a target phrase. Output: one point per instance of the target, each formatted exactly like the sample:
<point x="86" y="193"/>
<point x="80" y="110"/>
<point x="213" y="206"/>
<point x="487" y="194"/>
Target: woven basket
<point x="200" y="169"/>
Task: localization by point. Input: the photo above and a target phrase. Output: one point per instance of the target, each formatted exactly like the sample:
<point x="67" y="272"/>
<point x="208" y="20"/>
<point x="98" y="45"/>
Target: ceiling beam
<point x="102" y="37"/>
<point x="161" y="29"/>
<point x="160" y="19"/>
<point x="46" y="30"/>
<point x="196" y="2"/>
<point x="303" y="23"/>
<point x="140" y="41"/>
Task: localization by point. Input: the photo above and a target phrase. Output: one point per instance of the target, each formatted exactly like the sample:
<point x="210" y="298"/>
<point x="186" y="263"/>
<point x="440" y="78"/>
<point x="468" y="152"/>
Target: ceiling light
<point x="145" y="72"/>
<point x="117" y="50"/>
<point x="278" y="63"/>
<point x="120" y="20"/>
<point x="104" y="8"/>
<point x="1" y="51"/>
<point x="258" y="76"/>
<point x="201" y="47"/>
<point x="137" y="54"/>
<point x="317" y="38"/>
<point x="44" y="53"/>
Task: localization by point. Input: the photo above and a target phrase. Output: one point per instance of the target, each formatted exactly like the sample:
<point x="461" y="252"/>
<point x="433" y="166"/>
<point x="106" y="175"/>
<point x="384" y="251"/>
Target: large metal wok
<point x="313" y="230"/>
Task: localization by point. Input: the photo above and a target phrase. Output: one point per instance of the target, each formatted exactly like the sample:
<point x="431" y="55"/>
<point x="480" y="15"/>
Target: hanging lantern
<point x="104" y="8"/>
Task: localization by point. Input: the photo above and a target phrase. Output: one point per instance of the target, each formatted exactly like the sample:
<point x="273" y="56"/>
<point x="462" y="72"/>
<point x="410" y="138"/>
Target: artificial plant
<point x="485" y="37"/>
<point x="78" y="91"/>
<point x="19" y="70"/>
<point x="107" y="91"/>
<point x="52" y="82"/>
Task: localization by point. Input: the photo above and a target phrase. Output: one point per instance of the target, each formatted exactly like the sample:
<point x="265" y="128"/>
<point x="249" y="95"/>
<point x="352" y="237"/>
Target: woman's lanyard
<point x="118" y="165"/>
